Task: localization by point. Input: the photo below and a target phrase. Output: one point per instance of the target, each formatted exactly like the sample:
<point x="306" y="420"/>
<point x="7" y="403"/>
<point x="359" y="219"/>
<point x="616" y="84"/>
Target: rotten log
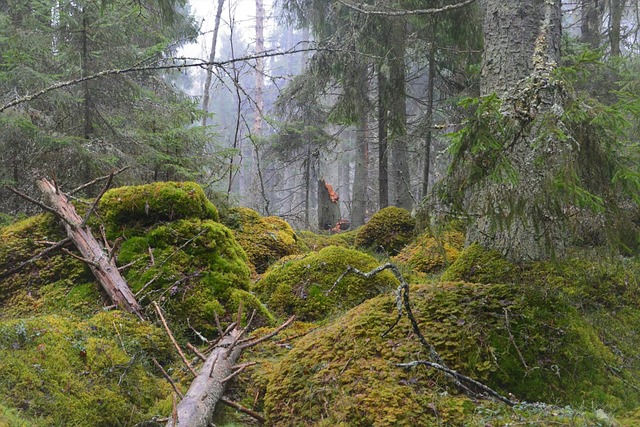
<point x="102" y="266"/>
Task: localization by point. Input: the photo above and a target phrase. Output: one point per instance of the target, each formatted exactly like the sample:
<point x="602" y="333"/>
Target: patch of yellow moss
<point x="67" y="371"/>
<point x="143" y="205"/>
<point x="428" y="254"/>
<point x="514" y="338"/>
<point x="305" y="286"/>
<point x="264" y="239"/>
<point x="389" y="230"/>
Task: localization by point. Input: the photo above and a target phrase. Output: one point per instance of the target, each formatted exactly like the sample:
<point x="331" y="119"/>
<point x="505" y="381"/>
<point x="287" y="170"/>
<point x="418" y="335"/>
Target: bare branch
<point x="164" y="373"/>
<point x="102" y="178"/>
<point x="20" y="266"/>
<point x="173" y="340"/>
<point x="269" y="335"/>
<point x="241" y="408"/>
<point x="433" y="11"/>
<point x="38" y="203"/>
<point x="96" y="201"/>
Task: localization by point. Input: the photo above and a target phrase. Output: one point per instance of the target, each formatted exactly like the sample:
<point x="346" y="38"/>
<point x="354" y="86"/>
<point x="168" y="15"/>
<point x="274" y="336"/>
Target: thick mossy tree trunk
<point x="511" y="205"/>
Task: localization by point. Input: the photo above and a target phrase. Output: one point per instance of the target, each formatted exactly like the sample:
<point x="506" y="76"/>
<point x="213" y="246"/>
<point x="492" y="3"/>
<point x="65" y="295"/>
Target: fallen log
<point x="102" y="266"/>
<point x="197" y="406"/>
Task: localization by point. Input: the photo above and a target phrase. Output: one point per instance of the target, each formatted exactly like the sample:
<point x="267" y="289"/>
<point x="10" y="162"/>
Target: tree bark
<point x="428" y="121"/>
<point x="617" y="7"/>
<point x="383" y="155"/>
<point x="197" y="406"/>
<point x="359" y="200"/>
<point x="102" y="266"/>
<point x="591" y="15"/>
<point x="328" y="206"/>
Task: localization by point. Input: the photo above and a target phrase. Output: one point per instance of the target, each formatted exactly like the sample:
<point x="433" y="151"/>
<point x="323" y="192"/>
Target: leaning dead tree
<point x="101" y="263"/>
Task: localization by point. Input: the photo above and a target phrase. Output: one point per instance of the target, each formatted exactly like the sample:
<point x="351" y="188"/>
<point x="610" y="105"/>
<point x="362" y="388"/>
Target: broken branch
<point x="173" y="340"/>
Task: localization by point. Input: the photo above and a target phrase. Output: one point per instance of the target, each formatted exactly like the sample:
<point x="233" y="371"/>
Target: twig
<point x="198" y="334"/>
<point x="87" y="215"/>
<point x="217" y="319"/>
<point x="269" y="335"/>
<point x="196" y="352"/>
<point x="88" y="261"/>
<point x="173" y="340"/>
<point x="213" y="365"/>
<point x="20" y="266"/>
<point x="164" y="373"/>
<point x="239" y="369"/>
<point x="513" y="341"/>
<point x="457" y="375"/>
<point x="102" y="178"/>
<point x="42" y="205"/>
<point x="407" y="12"/>
<point x="241" y="408"/>
<point x="225" y="332"/>
<point x="174" y="411"/>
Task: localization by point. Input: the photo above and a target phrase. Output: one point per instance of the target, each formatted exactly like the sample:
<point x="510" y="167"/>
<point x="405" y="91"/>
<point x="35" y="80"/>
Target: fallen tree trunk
<point x="197" y="406"/>
<point x="102" y="266"/>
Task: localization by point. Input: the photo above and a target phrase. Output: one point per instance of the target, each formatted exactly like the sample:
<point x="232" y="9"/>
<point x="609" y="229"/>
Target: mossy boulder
<point x="388" y="230"/>
<point x="64" y="370"/>
<point x="428" y="254"/>
<point x="517" y="339"/>
<point x="305" y="286"/>
<point x="315" y="242"/>
<point x="195" y="269"/>
<point x="264" y="239"/>
<point x="479" y="265"/>
<point x="145" y="205"/>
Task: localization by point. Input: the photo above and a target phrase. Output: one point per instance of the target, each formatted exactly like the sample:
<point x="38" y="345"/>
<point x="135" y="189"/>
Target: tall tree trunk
<point x="522" y="46"/>
<point x="591" y="16"/>
<point x="212" y="57"/>
<point x="383" y="155"/>
<point x="398" y="117"/>
<point x="428" y="121"/>
<point x="617" y="7"/>
<point x="86" y="85"/>
<point x="359" y="204"/>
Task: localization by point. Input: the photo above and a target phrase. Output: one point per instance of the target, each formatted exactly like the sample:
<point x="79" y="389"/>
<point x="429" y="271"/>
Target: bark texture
<point x="328" y="206"/>
<point x="520" y="217"/>
<point x="102" y="266"/>
<point x="197" y="406"/>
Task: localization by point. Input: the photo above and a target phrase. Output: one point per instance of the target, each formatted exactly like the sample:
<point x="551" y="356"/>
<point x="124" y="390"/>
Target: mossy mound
<point x="388" y="230"/>
<point x="194" y="269"/>
<point x="514" y="338"/>
<point x="316" y="242"/>
<point x="62" y="371"/>
<point x="21" y="241"/>
<point x="144" y="205"/>
<point x="478" y="265"/>
<point x="305" y="286"/>
<point x="264" y="239"/>
<point x="428" y="254"/>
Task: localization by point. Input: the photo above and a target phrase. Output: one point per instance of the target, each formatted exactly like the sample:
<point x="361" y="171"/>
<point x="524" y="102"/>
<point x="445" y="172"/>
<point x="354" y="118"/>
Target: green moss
<point x="265" y="239"/>
<point x="304" y="286"/>
<point x="389" y="230"/>
<point x="428" y="254"/>
<point x="514" y="338"/>
<point x="11" y="418"/>
<point x="479" y="265"/>
<point x="66" y="371"/>
<point x="316" y="242"/>
<point x="144" y="205"/>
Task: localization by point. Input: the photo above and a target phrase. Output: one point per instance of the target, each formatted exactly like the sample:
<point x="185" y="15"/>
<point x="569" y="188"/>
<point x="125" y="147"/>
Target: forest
<point x="319" y="213"/>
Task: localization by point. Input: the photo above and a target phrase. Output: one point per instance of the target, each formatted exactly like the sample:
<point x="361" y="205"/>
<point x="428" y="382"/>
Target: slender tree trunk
<point x="398" y="117"/>
<point x="359" y="204"/>
<point x="383" y="155"/>
<point x="86" y="85"/>
<point x="426" y="161"/>
<point x="617" y="7"/>
<point x="591" y="15"/>
<point x="212" y="57"/>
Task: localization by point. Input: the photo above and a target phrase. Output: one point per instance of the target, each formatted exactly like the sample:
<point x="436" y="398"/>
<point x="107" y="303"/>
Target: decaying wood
<point x="207" y="389"/>
<point x="103" y="268"/>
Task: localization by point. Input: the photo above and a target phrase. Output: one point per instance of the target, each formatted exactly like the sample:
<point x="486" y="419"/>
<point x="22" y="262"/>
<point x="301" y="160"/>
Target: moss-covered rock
<point x="194" y="269"/>
<point x="62" y="370"/>
<point x="144" y="205"/>
<point x="305" y="286"/>
<point x="478" y="265"/>
<point x="514" y="338"/>
<point x="316" y="242"/>
<point x="428" y="254"/>
<point x="388" y="230"/>
<point x="264" y="239"/>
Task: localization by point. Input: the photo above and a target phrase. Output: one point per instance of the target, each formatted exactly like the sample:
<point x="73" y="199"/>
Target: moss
<point x="265" y="239"/>
<point x="515" y="338"/>
<point x="305" y="286"/>
<point x="11" y="418"/>
<point x="144" y="205"/>
<point x="389" y="230"/>
<point x="68" y="371"/>
<point x="479" y="265"/>
<point x="316" y="242"/>
<point x="428" y="254"/>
